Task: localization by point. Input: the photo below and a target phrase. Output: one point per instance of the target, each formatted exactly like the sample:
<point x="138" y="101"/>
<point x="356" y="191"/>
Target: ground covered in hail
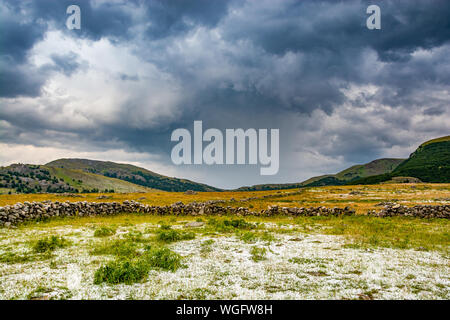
<point x="150" y="257"/>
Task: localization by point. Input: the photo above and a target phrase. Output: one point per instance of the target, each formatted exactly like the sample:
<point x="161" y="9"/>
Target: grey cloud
<point x="258" y="64"/>
<point x="19" y="80"/>
<point x="66" y="64"/>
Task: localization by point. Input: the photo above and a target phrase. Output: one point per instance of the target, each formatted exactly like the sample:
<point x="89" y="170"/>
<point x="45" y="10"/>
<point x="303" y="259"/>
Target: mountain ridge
<point x="131" y="173"/>
<point x="354" y="172"/>
<point x="430" y="162"/>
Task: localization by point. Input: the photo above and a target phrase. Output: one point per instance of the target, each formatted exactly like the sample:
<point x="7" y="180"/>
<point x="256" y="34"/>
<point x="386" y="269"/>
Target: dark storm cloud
<point x="321" y="26"/>
<point x="19" y="79"/>
<point x="243" y="63"/>
<point x="175" y="17"/>
<point x="104" y="20"/>
<point x="18" y="36"/>
<point x="24" y="23"/>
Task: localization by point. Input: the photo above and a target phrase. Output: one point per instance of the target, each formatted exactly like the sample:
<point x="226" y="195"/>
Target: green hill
<point x="429" y="163"/>
<point x="133" y="174"/>
<point x="376" y="167"/>
<point x="82" y="180"/>
<point x="27" y="178"/>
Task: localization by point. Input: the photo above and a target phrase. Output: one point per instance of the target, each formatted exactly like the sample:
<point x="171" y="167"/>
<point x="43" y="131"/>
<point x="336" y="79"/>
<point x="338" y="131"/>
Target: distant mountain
<point x="376" y="167"/>
<point x="133" y="174"/>
<point x="429" y="163"/>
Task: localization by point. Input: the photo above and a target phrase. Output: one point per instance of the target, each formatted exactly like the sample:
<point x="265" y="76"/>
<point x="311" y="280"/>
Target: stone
<point x="194" y="224"/>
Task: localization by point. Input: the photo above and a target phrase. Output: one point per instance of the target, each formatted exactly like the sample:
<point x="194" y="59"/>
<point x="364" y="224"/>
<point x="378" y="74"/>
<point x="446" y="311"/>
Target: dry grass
<point x="361" y="198"/>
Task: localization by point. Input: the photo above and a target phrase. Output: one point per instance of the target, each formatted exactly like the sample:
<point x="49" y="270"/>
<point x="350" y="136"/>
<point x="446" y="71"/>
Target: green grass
<point x="252" y="237"/>
<point x="391" y="232"/>
<point x="13" y="258"/>
<point x="136" y="270"/>
<point x="49" y="244"/>
<point x="258" y="254"/>
<point x="206" y="246"/>
<point x="163" y="258"/>
<point x="121" y="271"/>
<point x="166" y="234"/>
<point x="104" y="232"/>
<point x="121" y="248"/>
<point x="227" y="225"/>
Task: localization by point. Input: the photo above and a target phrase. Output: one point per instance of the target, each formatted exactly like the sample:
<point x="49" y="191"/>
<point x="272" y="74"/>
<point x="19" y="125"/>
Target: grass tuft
<point x="169" y="235"/>
<point x="136" y="270"/>
<point x="258" y="254"/>
<point x="49" y="244"/>
<point x="104" y="232"/>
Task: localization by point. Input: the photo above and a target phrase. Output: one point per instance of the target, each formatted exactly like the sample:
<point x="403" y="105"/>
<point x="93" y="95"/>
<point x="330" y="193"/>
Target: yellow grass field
<point x="360" y="198"/>
<point x="139" y="256"/>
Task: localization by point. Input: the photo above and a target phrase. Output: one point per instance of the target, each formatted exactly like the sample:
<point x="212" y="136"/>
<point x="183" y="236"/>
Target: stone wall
<point x="20" y="212"/>
<point x="421" y="211"/>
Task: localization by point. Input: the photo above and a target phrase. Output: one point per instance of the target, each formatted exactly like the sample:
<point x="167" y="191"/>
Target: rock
<point x="194" y="224"/>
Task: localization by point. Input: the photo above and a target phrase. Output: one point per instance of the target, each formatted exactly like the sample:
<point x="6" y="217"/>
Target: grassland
<point x="136" y="256"/>
<point x="361" y="198"/>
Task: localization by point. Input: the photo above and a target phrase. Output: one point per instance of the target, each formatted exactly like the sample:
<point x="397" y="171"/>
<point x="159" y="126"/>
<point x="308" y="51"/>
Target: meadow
<point x="137" y="256"/>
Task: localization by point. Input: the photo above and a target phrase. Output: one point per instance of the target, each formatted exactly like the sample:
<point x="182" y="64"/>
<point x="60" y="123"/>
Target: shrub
<point x="49" y="244"/>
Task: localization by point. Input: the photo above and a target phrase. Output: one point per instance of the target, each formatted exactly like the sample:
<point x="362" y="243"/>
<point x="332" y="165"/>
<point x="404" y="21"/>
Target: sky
<point x="339" y="93"/>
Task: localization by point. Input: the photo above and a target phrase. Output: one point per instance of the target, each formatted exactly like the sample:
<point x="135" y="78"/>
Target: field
<point x="135" y="256"/>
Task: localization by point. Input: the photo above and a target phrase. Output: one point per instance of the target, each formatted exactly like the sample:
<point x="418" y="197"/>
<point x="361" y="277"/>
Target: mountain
<point x="27" y="178"/>
<point x="429" y="163"/>
<point x="376" y="167"/>
<point x="130" y="173"/>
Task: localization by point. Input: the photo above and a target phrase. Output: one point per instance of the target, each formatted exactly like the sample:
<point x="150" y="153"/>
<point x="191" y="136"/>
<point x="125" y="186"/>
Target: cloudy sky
<point x="340" y="94"/>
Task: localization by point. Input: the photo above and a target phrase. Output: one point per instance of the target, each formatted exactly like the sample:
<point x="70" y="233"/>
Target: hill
<point x="130" y="173"/>
<point x="26" y="178"/>
<point x="429" y="163"/>
<point x="80" y="180"/>
<point x="376" y="167"/>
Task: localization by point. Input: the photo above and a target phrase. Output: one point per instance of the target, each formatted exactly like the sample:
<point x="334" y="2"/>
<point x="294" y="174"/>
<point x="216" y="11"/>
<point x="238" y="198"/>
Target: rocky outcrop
<point x="13" y="214"/>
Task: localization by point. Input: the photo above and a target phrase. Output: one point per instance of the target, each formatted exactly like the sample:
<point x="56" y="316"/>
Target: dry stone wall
<point x="421" y="211"/>
<point x="13" y="214"/>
